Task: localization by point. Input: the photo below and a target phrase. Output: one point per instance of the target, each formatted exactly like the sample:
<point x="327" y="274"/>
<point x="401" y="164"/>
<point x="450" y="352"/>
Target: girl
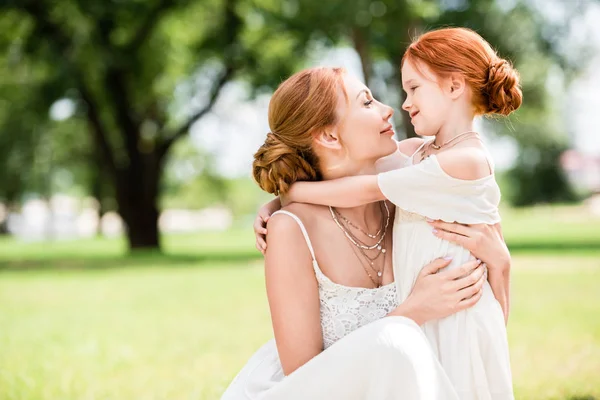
<point x="450" y="76"/>
<point x="337" y="335"/>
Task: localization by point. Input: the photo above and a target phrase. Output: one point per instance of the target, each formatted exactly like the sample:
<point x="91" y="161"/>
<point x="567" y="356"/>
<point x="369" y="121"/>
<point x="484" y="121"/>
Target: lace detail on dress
<point x="407" y="216"/>
<point x="345" y="309"/>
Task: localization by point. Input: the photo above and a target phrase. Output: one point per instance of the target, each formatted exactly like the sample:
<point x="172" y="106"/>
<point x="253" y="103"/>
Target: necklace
<point x="372" y="236"/>
<point x="438" y="147"/>
<point x="376" y="281"/>
<point x="357" y="242"/>
<point x="367" y="262"/>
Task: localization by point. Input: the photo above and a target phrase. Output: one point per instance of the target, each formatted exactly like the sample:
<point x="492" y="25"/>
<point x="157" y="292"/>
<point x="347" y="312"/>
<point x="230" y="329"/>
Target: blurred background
<point x="127" y="130"/>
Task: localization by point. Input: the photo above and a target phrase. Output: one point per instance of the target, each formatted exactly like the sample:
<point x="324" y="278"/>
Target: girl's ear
<point x="456" y="85"/>
<point x="328" y="138"/>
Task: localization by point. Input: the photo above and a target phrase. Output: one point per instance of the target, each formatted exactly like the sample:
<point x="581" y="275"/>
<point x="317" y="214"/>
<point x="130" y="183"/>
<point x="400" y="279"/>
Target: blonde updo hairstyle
<point x="302" y="105"/>
<point x="493" y="80"/>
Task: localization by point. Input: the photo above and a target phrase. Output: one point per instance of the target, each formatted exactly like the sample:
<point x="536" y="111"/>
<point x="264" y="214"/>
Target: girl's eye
<point x="413" y="88"/>
<point x="368" y="103"/>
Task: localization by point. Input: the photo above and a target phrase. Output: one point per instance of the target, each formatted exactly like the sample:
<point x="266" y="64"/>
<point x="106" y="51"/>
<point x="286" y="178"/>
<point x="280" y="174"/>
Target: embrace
<point x="386" y="272"/>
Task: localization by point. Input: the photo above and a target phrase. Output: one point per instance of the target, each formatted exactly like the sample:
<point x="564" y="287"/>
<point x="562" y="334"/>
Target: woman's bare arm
<point x="293" y="294"/>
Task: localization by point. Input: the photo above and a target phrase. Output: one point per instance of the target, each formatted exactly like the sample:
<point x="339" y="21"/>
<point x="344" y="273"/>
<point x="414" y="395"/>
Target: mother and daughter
<point x="386" y="272"/>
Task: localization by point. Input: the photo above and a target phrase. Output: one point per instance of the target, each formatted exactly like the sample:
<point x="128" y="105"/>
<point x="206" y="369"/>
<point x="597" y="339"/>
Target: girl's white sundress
<point x="471" y="345"/>
<point x="365" y="357"/>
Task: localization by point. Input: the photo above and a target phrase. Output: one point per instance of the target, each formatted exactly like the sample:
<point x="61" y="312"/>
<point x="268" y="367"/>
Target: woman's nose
<point x="389" y="111"/>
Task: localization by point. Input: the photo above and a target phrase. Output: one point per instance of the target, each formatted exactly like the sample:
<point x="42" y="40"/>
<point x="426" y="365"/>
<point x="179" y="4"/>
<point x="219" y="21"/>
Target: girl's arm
<point x="260" y="223"/>
<point x="350" y="191"/>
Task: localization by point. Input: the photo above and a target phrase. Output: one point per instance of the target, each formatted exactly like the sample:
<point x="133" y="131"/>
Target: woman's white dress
<point x="365" y="357"/>
<point x="472" y="344"/>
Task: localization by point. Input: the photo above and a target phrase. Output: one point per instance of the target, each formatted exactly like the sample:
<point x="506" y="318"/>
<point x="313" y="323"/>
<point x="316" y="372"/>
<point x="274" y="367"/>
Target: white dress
<point x="471" y="345"/>
<point x="365" y="357"/>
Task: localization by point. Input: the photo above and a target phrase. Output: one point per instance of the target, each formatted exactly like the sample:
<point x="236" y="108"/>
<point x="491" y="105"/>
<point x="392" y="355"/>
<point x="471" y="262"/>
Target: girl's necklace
<point x="451" y="141"/>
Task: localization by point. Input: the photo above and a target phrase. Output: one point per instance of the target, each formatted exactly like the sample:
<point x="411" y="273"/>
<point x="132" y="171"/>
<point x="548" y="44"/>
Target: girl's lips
<point x="387" y="132"/>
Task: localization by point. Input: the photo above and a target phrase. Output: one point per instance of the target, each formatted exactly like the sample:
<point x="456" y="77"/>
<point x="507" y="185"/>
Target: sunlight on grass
<point x="159" y="332"/>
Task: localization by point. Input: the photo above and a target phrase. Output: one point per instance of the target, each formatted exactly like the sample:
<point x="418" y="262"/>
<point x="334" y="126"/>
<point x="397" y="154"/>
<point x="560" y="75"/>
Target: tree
<point x="143" y="74"/>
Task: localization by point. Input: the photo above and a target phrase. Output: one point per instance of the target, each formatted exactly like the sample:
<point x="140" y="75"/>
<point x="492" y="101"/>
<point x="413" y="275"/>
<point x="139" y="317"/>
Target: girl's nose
<point x="406" y="105"/>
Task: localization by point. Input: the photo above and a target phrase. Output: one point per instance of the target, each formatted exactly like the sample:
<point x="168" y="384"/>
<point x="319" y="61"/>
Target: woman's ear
<point x="456" y="85"/>
<point x="327" y="138"/>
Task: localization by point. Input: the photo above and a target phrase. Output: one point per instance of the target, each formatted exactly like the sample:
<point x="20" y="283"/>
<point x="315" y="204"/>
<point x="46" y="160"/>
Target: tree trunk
<point x="361" y="46"/>
<point x="137" y="198"/>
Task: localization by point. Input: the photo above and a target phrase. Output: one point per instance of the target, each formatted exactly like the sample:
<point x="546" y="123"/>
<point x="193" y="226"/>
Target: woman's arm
<point x="486" y="243"/>
<point x="437" y="294"/>
<point x="351" y="191"/>
<point x="293" y="294"/>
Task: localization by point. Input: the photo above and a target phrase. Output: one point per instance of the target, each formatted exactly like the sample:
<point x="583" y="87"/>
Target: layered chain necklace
<point x="454" y="141"/>
<point x="360" y="248"/>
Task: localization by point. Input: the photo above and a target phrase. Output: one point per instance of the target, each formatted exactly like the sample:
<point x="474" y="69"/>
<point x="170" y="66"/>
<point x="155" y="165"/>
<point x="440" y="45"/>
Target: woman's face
<point x="426" y="102"/>
<point x="365" y="129"/>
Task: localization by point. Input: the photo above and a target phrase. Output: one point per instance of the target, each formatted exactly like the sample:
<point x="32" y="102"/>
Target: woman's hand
<point x="440" y="294"/>
<point x="260" y="223"/>
<point x="485" y="242"/>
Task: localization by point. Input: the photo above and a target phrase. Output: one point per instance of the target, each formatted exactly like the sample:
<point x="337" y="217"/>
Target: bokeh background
<point x="127" y="129"/>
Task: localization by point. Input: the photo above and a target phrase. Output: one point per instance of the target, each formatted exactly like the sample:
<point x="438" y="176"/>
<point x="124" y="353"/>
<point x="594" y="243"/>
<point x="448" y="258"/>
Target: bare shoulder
<point x="281" y="224"/>
<point x="409" y="146"/>
<point x="468" y="163"/>
<point x="285" y="241"/>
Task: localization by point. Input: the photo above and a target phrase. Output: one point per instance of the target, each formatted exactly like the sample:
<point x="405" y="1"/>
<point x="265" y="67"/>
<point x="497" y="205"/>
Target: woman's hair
<point x="493" y="80"/>
<point x="303" y="104"/>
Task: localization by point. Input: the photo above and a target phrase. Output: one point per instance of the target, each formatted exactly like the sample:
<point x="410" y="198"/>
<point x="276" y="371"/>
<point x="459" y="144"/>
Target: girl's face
<point x="364" y="127"/>
<point x="427" y="100"/>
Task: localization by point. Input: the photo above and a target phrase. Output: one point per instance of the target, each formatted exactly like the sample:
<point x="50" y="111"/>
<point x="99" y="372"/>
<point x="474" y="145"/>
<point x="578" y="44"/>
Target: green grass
<point x="159" y="332"/>
<point x="552" y="229"/>
<point x="79" y="320"/>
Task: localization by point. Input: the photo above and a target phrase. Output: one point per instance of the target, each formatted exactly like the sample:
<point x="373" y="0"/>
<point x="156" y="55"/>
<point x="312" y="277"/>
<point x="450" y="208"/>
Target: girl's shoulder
<point x="466" y="163"/>
<point x="408" y="147"/>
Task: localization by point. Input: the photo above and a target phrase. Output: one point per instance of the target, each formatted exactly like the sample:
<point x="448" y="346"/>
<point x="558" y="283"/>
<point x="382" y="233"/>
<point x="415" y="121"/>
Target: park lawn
<point x="164" y="331"/>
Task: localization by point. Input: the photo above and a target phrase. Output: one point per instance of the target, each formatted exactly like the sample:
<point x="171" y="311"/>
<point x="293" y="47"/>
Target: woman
<point x="339" y="332"/>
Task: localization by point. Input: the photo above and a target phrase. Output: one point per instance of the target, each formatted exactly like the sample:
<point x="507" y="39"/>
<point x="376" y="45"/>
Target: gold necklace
<point x="438" y="147"/>
<point x="361" y="245"/>
<point x="372" y="236"/>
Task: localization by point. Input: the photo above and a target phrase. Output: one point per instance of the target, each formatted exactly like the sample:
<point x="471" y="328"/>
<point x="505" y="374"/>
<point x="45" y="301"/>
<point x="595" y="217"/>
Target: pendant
<point x="383" y="250"/>
<point x="378" y="247"/>
<point x="379" y="274"/>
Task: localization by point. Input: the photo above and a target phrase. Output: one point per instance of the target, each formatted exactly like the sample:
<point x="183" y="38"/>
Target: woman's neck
<point x="367" y="216"/>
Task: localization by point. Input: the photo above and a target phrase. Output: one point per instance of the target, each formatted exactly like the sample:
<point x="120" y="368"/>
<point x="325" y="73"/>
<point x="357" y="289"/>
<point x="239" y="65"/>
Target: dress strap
<point x="303" y="229"/>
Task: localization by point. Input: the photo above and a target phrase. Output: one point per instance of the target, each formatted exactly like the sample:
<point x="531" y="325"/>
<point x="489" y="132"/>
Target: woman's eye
<point x="368" y="103"/>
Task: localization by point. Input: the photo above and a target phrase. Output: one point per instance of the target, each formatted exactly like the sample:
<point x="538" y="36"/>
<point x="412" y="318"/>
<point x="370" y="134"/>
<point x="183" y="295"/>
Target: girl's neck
<point x="451" y="129"/>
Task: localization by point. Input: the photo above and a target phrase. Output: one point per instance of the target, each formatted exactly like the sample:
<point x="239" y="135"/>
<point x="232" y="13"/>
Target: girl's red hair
<point x="493" y="80"/>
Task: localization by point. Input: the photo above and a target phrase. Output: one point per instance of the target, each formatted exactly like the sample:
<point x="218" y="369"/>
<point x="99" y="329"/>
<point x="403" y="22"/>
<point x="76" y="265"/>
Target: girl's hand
<point x="437" y="294"/>
<point x="483" y="241"/>
<point x="260" y="223"/>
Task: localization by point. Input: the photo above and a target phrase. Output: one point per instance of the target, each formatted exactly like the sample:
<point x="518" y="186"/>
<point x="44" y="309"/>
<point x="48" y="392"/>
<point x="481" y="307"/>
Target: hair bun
<point x="503" y="88"/>
<point x="276" y="166"/>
